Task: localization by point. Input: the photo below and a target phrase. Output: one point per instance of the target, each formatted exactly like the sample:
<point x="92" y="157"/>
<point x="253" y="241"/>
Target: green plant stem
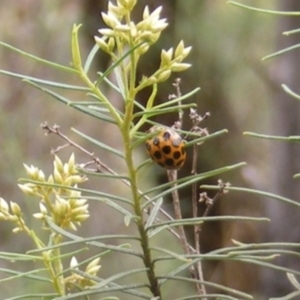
<point x="58" y="266"/>
<point x="129" y="92"/>
<point x="148" y="262"/>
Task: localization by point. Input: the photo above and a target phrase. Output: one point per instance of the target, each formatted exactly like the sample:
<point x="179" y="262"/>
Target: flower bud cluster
<point x="83" y="281"/>
<point x="59" y="199"/>
<point x="170" y="61"/>
<point x="122" y="31"/>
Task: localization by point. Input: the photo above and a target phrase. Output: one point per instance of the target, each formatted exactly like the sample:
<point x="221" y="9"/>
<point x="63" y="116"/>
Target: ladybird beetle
<point x="166" y="148"/>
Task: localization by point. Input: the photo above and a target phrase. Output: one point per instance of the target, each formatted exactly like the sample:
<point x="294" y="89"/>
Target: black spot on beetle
<point x="166" y="150"/>
<point x="148" y="146"/>
<point x="176" y="155"/>
<point x="169" y="162"/>
<point x="157" y="155"/>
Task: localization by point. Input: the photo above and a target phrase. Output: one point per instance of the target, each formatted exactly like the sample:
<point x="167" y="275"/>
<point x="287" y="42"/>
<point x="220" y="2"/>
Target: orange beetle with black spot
<point x="166" y="147"/>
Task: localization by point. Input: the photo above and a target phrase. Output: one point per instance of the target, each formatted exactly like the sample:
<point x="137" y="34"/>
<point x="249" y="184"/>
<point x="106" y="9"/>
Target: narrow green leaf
<point x="121" y="275"/>
<point x="281" y="51"/>
<point x="289" y="32"/>
<point x="195" y="221"/>
<point x="290" y="92"/>
<point x="205" y="138"/>
<point x="269" y="11"/>
<point x="116" y="64"/>
<point x="113" y="204"/>
<point x="161" y="111"/>
<point x="151" y="99"/>
<point x="45" y="82"/>
<point x="293" y="281"/>
<point x="207" y="283"/>
<point x="153" y="214"/>
<point x="253" y="191"/>
<point x="127" y="289"/>
<point x="103" y="175"/>
<point x="28" y="274"/>
<point x="99" y="144"/>
<point x="84" y="191"/>
<point x="68" y="102"/>
<point x="109" y="83"/>
<point x="94" y="241"/>
<point x="177" y="100"/>
<point x="14" y="257"/>
<point x="76" y="56"/>
<point x="38" y="59"/>
<point x="187" y="181"/>
<point x="90" y="58"/>
<point x="39" y="296"/>
<point x="268" y="265"/>
<point x="210" y="296"/>
<point x="273" y="137"/>
<point x="171" y="253"/>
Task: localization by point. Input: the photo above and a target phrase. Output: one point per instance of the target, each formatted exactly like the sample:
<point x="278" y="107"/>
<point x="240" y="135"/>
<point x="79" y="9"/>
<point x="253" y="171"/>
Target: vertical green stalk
<point x="154" y="288"/>
<point x="129" y="106"/>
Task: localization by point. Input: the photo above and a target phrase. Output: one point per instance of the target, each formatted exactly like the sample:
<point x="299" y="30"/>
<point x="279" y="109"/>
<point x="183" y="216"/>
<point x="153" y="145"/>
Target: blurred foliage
<point x="236" y="88"/>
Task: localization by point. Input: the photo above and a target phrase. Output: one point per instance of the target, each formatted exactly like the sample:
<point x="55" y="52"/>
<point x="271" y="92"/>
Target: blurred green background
<point x="241" y="92"/>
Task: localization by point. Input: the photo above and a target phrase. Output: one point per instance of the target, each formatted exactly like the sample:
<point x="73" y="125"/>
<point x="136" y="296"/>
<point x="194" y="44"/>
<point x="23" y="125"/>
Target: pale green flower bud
<point x="101" y="43"/>
<point x="179" y="49"/>
<point x="128" y="4"/>
<point x="163" y="76"/>
<point x="3" y="205"/>
<point x="50" y="179"/>
<point x="58" y="164"/>
<point x="143" y="49"/>
<point x="61" y="206"/>
<point x="73" y="263"/>
<point x="32" y="171"/>
<point x="26" y="189"/>
<point x="146" y="12"/>
<point x="107" y="32"/>
<point x="72" y="226"/>
<point x="111" y="44"/>
<point x="16" y="230"/>
<point x="81" y="218"/>
<point x="93" y="270"/>
<point x="154" y="16"/>
<point x="186" y="52"/>
<point x="181" y="53"/>
<point x="131" y="4"/>
<point x="159" y="26"/>
<point x="166" y="57"/>
<point x="39" y="216"/>
<point x="123" y="28"/>
<point x="15" y="208"/>
<point x="178" y="67"/>
<point x="3" y="216"/>
<point x="71" y="164"/>
<point x="93" y="263"/>
<point x="43" y="209"/>
<point x="116" y="10"/>
<point x="57" y="176"/>
<point x="110" y="20"/>
<point x="133" y="30"/>
<point x="41" y="176"/>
